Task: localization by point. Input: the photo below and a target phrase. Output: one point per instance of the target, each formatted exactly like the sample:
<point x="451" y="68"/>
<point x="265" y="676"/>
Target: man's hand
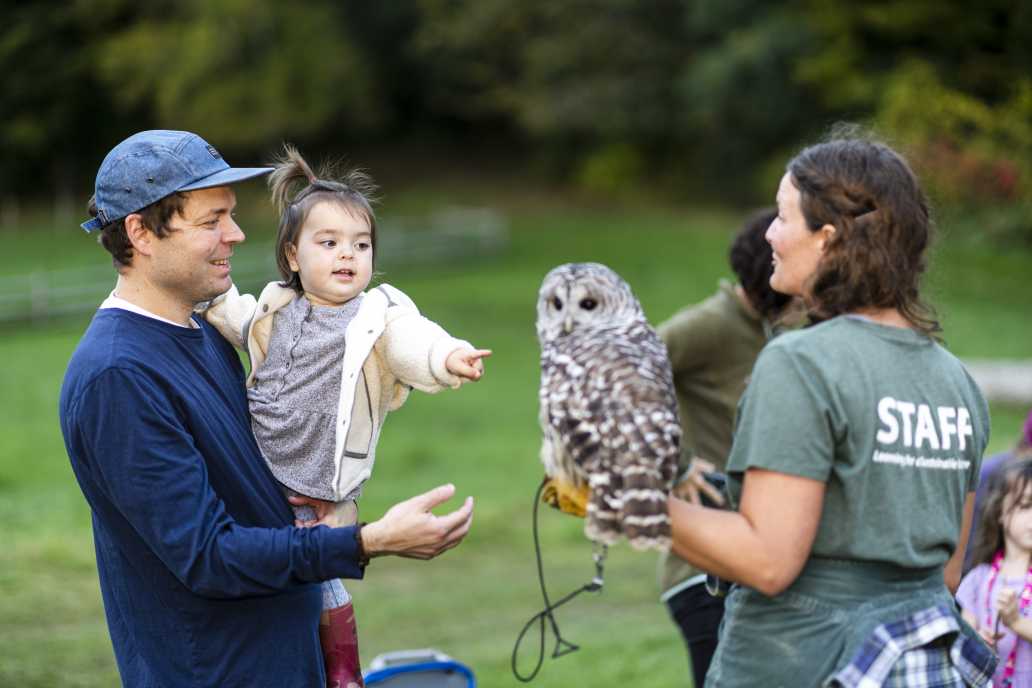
<point x="467" y="363"/>
<point x="409" y="529"/>
<point x="332" y="514"/>
<point x="693" y="484"/>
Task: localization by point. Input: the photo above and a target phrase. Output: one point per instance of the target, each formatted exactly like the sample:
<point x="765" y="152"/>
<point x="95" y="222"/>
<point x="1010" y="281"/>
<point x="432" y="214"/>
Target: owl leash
<point x="562" y="646"/>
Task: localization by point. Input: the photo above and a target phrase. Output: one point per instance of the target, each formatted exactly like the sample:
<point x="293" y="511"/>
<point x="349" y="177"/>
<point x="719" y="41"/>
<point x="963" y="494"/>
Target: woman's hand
<point x="693" y="485"/>
<point x="467" y="363"/>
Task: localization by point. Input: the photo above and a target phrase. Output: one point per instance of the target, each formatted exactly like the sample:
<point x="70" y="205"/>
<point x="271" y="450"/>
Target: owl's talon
<point x="565" y="497"/>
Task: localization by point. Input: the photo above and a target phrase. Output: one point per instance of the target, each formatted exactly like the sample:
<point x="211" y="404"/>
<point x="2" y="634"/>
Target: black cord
<point x="562" y="647"/>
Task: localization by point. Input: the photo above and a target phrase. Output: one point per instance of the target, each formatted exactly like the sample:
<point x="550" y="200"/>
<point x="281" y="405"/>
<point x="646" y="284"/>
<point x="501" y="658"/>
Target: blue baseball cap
<point x="150" y="165"/>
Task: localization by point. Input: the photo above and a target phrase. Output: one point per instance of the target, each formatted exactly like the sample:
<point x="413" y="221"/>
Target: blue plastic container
<point x="426" y="668"/>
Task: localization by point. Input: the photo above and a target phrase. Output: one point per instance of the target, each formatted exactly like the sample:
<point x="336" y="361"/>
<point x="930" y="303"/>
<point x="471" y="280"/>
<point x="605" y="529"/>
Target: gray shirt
<point x="296" y="391"/>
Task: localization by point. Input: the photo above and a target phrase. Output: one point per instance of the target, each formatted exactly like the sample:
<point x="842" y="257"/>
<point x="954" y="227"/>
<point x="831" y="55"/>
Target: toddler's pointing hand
<point x="467" y="363"/>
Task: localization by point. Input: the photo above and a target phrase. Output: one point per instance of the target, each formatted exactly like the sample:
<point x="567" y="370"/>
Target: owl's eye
<point x="557" y="302"/>
<point x="588" y="304"/>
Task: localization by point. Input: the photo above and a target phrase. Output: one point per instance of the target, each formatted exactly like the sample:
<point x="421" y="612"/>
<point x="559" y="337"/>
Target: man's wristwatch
<point x="363" y="556"/>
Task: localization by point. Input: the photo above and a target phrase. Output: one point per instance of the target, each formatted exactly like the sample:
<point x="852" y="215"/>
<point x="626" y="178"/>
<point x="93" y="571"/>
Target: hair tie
<point x="866" y="208"/>
<point x="314" y="184"/>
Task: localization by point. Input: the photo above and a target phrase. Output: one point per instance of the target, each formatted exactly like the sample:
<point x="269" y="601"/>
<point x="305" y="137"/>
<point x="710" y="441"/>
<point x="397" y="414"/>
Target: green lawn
<point x="472" y="602"/>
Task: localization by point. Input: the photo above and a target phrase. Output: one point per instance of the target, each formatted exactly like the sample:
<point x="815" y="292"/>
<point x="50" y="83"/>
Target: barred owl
<point x="608" y="408"/>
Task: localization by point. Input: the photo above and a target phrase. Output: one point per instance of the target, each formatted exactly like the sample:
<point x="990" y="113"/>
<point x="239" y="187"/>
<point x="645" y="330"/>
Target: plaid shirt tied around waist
<point x="922" y="650"/>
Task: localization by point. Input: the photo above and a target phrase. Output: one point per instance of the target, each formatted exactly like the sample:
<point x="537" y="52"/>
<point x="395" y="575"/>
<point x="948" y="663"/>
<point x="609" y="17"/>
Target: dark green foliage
<point x="711" y="95"/>
<point x="55" y="120"/>
<point x="244" y="73"/>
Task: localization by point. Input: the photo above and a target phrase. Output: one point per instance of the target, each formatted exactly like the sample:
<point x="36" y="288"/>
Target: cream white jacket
<point x="390" y="349"/>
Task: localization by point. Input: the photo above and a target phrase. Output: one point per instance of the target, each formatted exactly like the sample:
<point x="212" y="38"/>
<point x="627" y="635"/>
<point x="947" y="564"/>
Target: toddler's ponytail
<point x="291" y="176"/>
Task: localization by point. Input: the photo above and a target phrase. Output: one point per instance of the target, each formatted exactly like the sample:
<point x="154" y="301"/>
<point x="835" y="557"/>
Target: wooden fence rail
<point x="448" y="235"/>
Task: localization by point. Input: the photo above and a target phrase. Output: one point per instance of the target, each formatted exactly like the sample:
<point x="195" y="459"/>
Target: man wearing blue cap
<point x="205" y="580"/>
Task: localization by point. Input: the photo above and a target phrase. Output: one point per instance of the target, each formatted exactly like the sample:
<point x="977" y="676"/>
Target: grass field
<point x="472" y="602"/>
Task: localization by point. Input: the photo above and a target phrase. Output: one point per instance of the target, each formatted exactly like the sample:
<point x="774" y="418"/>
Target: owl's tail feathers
<point x="652" y="533"/>
<point x="643" y="513"/>
<point x="602" y="524"/>
<point x="633" y="505"/>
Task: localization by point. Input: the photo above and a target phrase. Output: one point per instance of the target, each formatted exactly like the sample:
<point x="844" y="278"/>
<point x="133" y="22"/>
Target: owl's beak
<point x="567" y="324"/>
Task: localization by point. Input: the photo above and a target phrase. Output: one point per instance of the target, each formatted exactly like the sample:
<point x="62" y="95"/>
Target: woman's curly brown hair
<point x="877" y="255"/>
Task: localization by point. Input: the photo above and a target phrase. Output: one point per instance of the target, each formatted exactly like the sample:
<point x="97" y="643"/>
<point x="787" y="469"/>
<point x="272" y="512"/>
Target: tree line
<point x="606" y="92"/>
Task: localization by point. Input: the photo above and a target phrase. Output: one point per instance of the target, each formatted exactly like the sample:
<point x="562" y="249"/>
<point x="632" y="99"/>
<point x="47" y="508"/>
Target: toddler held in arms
<point x="329" y="360"/>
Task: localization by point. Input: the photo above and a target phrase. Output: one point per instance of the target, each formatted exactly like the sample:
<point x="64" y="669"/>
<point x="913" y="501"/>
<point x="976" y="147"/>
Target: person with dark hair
<point x="206" y="580"/>
<point x="989" y="468"/>
<point x="712" y="347"/>
<point x="855" y="456"/>
<point x="995" y="595"/>
<point x="329" y="359"/>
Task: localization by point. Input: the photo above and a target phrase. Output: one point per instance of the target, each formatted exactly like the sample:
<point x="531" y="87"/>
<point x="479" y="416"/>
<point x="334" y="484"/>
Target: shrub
<point x="969" y="153"/>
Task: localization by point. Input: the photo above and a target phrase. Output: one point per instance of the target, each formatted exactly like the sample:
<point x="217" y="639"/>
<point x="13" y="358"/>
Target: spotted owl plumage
<point x="608" y="409"/>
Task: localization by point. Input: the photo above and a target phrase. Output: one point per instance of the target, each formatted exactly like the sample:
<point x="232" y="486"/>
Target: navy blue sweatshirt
<point x="205" y="581"/>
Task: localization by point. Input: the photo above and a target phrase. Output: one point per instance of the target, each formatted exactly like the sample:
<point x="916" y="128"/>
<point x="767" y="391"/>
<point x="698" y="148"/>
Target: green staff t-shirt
<point x="887" y="418"/>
